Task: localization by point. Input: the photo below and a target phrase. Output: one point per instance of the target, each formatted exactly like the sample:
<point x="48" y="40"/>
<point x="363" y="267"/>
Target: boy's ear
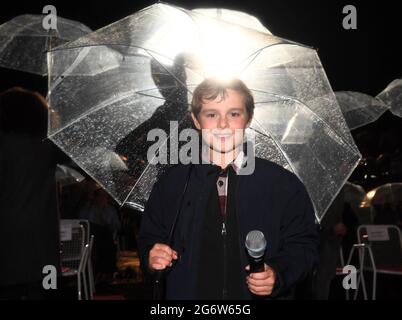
<point x="195" y="121"/>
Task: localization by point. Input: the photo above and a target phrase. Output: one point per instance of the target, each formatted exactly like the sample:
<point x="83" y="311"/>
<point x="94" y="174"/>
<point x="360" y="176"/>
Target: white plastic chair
<point x="89" y="239"/>
<point x="361" y="248"/>
<point x="74" y="253"/>
<point x="384" y="246"/>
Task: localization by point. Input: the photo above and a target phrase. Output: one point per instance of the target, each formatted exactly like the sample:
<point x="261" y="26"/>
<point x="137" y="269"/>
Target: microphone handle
<point x="256" y="264"/>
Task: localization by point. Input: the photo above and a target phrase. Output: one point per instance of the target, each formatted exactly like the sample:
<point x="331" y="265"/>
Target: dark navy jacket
<point x="271" y="200"/>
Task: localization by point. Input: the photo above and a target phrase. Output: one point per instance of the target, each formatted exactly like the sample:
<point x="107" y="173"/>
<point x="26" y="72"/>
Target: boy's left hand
<point x="261" y="283"/>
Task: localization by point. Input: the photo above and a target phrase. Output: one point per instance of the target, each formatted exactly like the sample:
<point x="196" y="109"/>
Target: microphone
<point x="256" y="245"/>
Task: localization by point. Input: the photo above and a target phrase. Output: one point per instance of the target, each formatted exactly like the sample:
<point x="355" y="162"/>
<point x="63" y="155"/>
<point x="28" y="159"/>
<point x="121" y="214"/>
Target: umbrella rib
<point x="60" y="48"/>
<point x="269" y="135"/>
<point x="83" y="53"/>
<point x="94" y="109"/>
<point x="101" y="105"/>
<point x="257" y="53"/>
<point x="177" y="79"/>
<point x="308" y="108"/>
<point x="324" y="123"/>
<point x="143" y="92"/>
<point x="12" y="37"/>
<point x="283" y="42"/>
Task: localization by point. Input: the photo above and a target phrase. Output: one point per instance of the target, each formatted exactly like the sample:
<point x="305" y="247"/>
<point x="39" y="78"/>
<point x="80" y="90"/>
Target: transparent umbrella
<point x="389" y="193"/>
<point x="354" y="194"/>
<point x="103" y="108"/>
<point x="359" y="109"/>
<point x="236" y="17"/>
<point x="386" y="201"/>
<point x="392" y="97"/>
<point x="24" y="41"/>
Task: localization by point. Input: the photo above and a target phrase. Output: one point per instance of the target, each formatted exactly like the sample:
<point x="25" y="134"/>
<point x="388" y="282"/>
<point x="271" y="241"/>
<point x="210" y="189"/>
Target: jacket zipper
<point x="224" y="233"/>
<point x="224" y="291"/>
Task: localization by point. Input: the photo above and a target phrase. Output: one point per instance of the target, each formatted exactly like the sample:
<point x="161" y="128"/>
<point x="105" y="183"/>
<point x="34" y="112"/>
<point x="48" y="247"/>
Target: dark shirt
<point x="219" y="274"/>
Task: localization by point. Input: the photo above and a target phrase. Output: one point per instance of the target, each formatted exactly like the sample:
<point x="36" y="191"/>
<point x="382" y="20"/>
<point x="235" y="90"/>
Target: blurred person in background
<point x="29" y="221"/>
<point x="105" y="226"/>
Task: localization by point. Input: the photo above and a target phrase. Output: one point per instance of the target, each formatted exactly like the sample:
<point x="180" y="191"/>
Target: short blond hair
<point x="211" y="88"/>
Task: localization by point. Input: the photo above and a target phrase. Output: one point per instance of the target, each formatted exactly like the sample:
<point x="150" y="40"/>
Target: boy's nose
<point x="222" y="123"/>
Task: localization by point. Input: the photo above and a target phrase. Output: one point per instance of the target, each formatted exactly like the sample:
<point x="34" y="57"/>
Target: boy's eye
<point x="210" y="115"/>
<point x="235" y="114"/>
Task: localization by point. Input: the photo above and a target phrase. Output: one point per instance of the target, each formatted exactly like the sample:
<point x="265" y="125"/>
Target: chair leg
<point x="84" y="277"/>
<point x="91" y="279"/>
<point x="374" y="285"/>
<point x="374" y="273"/>
<point x="79" y="286"/>
<point x="364" y="288"/>
<point x="362" y="256"/>
<point x="358" y="286"/>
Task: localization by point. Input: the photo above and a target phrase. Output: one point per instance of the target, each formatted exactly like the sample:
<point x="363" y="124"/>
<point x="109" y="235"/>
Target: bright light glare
<point x="216" y="46"/>
<point x="371" y="194"/>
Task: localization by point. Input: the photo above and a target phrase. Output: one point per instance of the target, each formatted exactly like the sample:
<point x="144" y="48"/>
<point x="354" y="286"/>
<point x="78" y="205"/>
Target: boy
<point x="221" y="205"/>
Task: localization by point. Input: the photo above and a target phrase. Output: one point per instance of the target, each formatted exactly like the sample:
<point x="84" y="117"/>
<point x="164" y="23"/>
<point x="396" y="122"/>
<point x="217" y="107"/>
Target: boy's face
<point x="223" y="122"/>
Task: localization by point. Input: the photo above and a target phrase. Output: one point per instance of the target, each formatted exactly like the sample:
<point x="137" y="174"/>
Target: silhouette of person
<point x="171" y="83"/>
<point x="29" y="222"/>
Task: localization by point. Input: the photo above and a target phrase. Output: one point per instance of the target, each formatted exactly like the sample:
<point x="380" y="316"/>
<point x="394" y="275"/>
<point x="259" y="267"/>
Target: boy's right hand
<point x="161" y="256"/>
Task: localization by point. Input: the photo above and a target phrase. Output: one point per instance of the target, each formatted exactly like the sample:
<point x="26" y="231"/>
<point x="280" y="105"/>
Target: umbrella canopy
<point x="236" y="17"/>
<point x="111" y="87"/>
<point x="354" y="194"/>
<point x="359" y="109"/>
<point x="389" y="193"/>
<point x="392" y="97"/>
<point x="24" y="41"/>
<point x="386" y="201"/>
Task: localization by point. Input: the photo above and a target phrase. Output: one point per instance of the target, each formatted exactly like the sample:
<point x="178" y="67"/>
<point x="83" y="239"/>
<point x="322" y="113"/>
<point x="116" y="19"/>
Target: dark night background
<point x="363" y="60"/>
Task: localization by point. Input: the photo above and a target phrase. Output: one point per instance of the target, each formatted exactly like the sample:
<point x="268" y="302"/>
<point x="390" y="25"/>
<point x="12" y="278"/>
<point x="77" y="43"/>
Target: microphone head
<point x="256" y="243"/>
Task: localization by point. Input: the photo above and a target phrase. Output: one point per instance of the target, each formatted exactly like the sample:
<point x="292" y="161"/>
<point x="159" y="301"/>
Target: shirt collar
<point x="237" y="164"/>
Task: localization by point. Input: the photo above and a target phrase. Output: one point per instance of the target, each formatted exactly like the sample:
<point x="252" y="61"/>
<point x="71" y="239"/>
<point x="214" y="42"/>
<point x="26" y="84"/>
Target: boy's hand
<point x="161" y="256"/>
<point x="261" y="283"/>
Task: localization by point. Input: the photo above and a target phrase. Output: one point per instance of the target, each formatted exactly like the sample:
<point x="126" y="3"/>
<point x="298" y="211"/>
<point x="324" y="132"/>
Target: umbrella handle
<point x="170" y="239"/>
<point x="159" y="285"/>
